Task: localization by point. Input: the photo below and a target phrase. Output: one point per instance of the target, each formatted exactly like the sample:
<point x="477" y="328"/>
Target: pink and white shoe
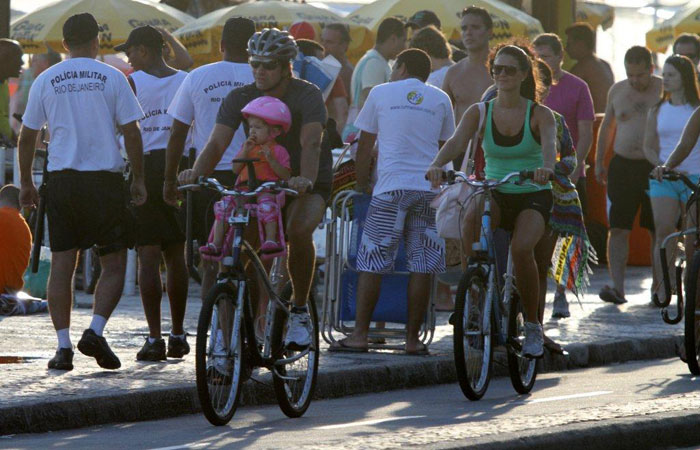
<point x="210" y="250"/>
<point x="270" y="247"/>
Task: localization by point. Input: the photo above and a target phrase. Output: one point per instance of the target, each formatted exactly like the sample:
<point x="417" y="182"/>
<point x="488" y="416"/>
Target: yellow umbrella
<point x="202" y="36"/>
<point x="595" y="14"/>
<point x="44" y="26"/>
<point x="686" y="20"/>
<point x="507" y="21"/>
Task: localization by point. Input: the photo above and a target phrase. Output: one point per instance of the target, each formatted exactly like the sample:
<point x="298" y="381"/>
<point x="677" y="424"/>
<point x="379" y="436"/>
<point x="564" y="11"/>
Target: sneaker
<point x="177" y="347"/>
<point x="298" y="331"/>
<point x="152" y="351"/>
<point x="63" y="359"/>
<point x="96" y="346"/>
<point x="534" y="340"/>
<point x="561" y="306"/>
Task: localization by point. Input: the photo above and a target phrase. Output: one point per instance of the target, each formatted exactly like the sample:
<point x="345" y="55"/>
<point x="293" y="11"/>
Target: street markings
<point x="366" y="422"/>
<point x="567" y="397"/>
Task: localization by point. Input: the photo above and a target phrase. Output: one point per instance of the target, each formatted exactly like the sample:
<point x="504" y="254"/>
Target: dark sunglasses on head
<point x="267" y="65"/>
<point x="509" y="70"/>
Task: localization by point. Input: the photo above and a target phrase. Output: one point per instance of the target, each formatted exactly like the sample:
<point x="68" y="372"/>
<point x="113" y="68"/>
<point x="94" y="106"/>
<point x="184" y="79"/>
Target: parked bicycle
<point x="690" y="306"/>
<point x="488" y="306"/>
<point x="228" y="348"/>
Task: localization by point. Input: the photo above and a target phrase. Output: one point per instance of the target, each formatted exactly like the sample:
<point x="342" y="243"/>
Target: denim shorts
<point x="676" y="190"/>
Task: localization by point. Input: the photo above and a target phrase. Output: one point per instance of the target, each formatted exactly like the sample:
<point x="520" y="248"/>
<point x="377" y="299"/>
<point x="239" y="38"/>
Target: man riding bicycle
<point x="271" y="52"/>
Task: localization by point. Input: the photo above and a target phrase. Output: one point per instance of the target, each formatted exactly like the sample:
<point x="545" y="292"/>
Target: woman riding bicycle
<point x="665" y="129"/>
<point x="519" y="135"/>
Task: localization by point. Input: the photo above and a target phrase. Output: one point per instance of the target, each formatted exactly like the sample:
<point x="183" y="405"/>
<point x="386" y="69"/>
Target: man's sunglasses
<point x="267" y="65"/>
<point x="509" y="70"/>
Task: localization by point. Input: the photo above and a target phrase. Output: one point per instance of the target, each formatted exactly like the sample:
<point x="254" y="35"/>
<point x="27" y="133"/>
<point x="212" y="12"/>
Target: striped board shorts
<point x="401" y="215"/>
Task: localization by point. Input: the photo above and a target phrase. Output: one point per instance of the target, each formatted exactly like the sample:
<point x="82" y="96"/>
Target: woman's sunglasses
<point x="267" y="65"/>
<point x="509" y="70"/>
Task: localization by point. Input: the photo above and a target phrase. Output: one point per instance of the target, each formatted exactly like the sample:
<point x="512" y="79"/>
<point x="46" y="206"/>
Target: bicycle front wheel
<point x="692" y="316"/>
<point x="472" y="343"/>
<point x="219" y="356"/>
<point x="295" y="381"/>
<point x="523" y="371"/>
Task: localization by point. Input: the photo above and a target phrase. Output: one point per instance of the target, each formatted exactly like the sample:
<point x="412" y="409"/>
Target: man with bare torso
<point x="467" y="80"/>
<point x="580" y="46"/>
<point x="627" y="177"/>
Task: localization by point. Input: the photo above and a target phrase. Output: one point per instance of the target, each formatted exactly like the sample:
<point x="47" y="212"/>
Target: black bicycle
<point x="688" y="308"/>
<point x="228" y="348"/>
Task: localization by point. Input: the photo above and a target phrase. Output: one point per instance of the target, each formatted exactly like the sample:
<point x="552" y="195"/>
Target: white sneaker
<point x="561" y="306"/>
<point x="298" y="331"/>
<point x="534" y="340"/>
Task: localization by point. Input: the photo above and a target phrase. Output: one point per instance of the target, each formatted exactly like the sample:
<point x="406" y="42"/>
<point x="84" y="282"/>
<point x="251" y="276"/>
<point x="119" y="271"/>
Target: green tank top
<point x="500" y="160"/>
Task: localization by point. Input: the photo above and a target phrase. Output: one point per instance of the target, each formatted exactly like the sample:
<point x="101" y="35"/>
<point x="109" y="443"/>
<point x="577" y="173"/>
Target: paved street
<point x="572" y="403"/>
<point x="35" y="399"/>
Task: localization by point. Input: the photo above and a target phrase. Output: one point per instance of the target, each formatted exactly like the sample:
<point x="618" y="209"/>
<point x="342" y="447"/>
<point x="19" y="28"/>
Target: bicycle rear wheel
<point x="295" y="382"/>
<point x="219" y="356"/>
<point x="523" y="371"/>
<point x="692" y="316"/>
<point x="472" y="344"/>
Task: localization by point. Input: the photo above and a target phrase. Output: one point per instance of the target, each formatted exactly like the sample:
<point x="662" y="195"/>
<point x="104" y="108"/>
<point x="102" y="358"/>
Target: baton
<point x="39" y="218"/>
<point x="189" y="212"/>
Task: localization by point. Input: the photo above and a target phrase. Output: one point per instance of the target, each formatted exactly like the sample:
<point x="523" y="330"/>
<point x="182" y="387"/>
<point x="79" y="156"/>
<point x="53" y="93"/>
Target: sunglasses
<point x="267" y="65"/>
<point x="509" y="70"/>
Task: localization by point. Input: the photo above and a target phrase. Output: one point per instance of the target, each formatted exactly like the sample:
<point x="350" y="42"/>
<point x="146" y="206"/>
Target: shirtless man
<point x="580" y="45"/>
<point x="467" y="80"/>
<point x="627" y="176"/>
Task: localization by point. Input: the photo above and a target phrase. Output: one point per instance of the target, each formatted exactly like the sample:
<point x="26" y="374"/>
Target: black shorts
<point x="628" y="191"/>
<point x="511" y="205"/>
<point x="157" y="223"/>
<point x="86" y="209"/>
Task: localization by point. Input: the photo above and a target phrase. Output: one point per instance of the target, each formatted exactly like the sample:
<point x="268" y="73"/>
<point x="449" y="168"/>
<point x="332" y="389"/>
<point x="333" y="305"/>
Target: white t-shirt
<point x="154" y="95"/>
<point x="670" y="122"/>
<point x="199" y="98"/>
<point x="82" y="100"/>
<point x="371" y="70"/>
<point x="409" y="117"/>
<point x="437" y="77"/>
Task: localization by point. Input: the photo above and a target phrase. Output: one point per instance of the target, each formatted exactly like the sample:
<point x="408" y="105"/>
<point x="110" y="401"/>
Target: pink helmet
<point x="271" y="110"/>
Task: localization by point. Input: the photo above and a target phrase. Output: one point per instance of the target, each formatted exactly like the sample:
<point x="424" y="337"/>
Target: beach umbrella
<point x="202" y="36"/>
<point x="595" y="14"/>
<point x="44" y="26"/>
<point x="507" y="20"/>
<point x="687" y="20"/>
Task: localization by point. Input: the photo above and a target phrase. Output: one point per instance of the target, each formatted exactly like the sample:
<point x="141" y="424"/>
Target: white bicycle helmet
<point x="272" y="43"/>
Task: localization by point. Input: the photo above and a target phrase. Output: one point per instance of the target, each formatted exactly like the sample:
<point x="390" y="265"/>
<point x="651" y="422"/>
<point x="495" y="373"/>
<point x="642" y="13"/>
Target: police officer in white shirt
<point x="410" y="120"/>
<point x="83" y="100"/>
<point x="196" y="105"/>
<point x="158" y="225"/>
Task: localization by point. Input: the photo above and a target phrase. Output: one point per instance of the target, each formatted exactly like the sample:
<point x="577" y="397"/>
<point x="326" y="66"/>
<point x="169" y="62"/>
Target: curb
<point x="664" y="430"/>
<point x="412" y="372"/>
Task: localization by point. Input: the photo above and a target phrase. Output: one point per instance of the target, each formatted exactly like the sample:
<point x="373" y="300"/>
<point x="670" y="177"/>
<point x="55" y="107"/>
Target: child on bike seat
<point x="267" y="118"/>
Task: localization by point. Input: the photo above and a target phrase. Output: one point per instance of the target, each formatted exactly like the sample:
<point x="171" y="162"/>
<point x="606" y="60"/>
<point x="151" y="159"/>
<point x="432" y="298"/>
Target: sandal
<point x="422" y="350"/>
<point x="210" y="249"/>
<point x="342" y="346"/>
<point x="610" y="295"/>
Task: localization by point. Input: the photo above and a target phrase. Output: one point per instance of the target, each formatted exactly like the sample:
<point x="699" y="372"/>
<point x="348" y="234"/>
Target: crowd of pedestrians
<point x="412" y="113"/>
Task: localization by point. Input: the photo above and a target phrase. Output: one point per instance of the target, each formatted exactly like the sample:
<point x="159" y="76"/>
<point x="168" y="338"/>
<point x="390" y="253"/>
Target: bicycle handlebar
<point x="672" y="175"/>
<point x="214" y="184"/>
<point x="453" y="176"/>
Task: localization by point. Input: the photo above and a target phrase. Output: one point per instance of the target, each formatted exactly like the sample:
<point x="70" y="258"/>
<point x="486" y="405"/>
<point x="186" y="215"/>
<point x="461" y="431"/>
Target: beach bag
<point x="450" y="203"/>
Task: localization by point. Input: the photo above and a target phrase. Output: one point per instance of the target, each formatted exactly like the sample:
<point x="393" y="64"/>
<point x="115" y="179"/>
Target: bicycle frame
<point x="233" y="272"/>
<point x="673" y="176"/>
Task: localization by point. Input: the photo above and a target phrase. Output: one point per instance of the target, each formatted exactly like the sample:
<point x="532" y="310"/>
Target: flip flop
<point x="420" y="351"/>
<point x="610" y="295"/>
<point x="342" y="347"/>
<point x="553" y="347"/>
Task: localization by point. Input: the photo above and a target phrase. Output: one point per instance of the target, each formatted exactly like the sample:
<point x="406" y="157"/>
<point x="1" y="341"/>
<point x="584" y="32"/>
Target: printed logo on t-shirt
<point x="414" y="98"/>
<point x="59" y="87"/>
